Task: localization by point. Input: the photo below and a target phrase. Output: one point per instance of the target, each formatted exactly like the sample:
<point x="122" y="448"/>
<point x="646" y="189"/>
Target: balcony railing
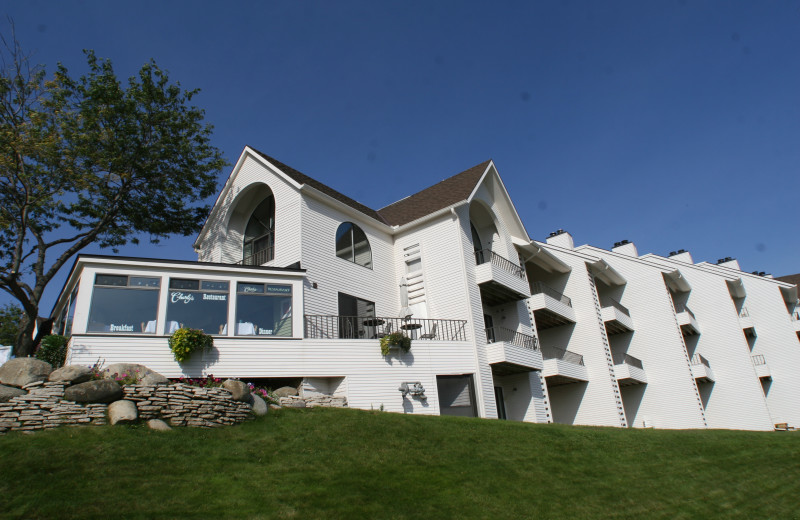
<point x="540" y="288"/>
<point x="487" y="255"/>
<point x="744" y="313"/>
<point x="563" y="355"/>
<point x="758" y="359"/>
<point x="519" y="339"/>
<point x="371" y="327"/>
<point x="628" y="360"/>
<point x="259" y="257"/>
<point x="697" y="359"/>
<point x="611" y="302"/>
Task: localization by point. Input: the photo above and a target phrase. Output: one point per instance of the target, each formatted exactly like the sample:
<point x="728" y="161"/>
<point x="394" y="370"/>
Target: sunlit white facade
<point x="295" y="280"/>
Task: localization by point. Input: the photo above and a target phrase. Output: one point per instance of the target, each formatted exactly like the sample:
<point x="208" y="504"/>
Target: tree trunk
<point x="25" y="344"/>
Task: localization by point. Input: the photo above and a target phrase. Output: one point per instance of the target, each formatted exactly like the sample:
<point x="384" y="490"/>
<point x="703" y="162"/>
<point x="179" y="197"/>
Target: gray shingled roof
<point x="439" y="196"/>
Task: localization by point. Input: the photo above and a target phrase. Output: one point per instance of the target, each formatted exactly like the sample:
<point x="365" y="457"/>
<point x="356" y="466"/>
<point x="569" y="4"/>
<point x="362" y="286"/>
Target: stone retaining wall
<point x="44" y="407"/>
<point x="184" y="405"/>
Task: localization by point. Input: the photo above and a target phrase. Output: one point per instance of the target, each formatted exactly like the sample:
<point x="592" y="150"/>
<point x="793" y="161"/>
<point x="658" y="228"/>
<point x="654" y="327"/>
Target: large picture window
<point x="259" y="235"/>
<point x="123" y="304"/>
<point x="352" y="244"/>
<point x="197" y="304"/>
<point x="263" y="309"/>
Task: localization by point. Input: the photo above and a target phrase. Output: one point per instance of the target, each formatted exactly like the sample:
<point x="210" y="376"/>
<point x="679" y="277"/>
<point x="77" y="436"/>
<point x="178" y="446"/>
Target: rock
<point x="7" y="392"/>
<point x="100" y="391"/>
<point x="146" y="376"/>
<point x="22" y="371"/>
<point x="259" y="405"/>
<point x="275" y="407"/>
<point x="73" y="374"/>
<point x="122" y="412"/>
<point x="158" y="425"/>
<point x="288" y="402"/>
<point x="285" y="391"/>
<point x="239" y="390"/>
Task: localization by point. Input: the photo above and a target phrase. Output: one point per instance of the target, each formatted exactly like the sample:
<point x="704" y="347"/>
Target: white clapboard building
<point x="296" y="280"/>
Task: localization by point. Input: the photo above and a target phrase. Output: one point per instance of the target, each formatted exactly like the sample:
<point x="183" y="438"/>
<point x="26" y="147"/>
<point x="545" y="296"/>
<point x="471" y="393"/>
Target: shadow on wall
<point x="565" y="400"/>
<point x="632" y="399"/>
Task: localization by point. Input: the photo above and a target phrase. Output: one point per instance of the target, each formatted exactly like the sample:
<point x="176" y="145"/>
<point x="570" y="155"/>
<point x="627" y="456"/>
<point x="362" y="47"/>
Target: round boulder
<point x="158" y="425"/>
<point x="259" y="405"/>
<point x="144" y="374"/>
<point x="285" y="391"/>
<point x="23" y="371"/>
<point x="7" y="392"/>
<point x="99" y="391"/>
<point x="122" y="412"/>
<point x="239" y="391"/>
<point x="72" y="374"/>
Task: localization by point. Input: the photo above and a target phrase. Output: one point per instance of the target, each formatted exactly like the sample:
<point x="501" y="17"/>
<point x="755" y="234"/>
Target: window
<point x="124" y="304"/>
<point x="197" y="304"/>
<point x="259" y="235"/>
<point x="352" y="314"/>
<point x="457" y="395"/>
<point x="64" y="324"/>
<point x="352" y="244"/>
<point x="263" y="309"/>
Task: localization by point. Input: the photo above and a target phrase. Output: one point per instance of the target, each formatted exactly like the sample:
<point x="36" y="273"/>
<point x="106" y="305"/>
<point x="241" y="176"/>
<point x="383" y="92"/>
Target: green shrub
<point x="185" y="341"/>
<point x="53" y="350"/>
<point x="395" y="339"/>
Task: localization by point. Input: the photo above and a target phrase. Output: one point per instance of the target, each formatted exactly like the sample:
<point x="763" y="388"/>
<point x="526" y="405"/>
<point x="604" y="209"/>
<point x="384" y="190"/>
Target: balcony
<point x="372" y="327"/>
<point x="562" y="367"/>
<point x="512" y="352"/>
<point x="746" y="322"/>
<point x="701" y="369"/>
<point x="760" y="364"/>
<point x="687" y="322"/>
<point x="259" y="257"/>
<point x="550" y="308"/>
<point x="616" y="316"/>
<point x="501" y="280"/>
<point x="629" y="370"/>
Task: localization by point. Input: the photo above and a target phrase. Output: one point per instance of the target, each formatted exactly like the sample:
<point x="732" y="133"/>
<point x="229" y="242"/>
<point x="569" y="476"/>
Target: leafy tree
<point x="10" y="317"/>
<point x="92" y="160"/>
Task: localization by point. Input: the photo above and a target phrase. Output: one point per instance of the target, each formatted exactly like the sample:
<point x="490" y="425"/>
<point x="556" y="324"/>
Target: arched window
<point x="259" y="235"/>
<point x="352" y="244"/>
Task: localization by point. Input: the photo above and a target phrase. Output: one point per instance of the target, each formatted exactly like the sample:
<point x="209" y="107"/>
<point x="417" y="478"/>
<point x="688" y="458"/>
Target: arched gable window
<point x="259" y="235"/>
<point x="352" y="244"/>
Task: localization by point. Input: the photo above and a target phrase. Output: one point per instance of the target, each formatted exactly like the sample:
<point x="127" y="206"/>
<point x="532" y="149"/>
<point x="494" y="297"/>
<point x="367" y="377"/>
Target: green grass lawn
<point x="328" y="463"/>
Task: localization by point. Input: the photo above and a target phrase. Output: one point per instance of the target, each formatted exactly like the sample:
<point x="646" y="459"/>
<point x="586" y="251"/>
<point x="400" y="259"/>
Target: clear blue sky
<point x="673" y="124"/>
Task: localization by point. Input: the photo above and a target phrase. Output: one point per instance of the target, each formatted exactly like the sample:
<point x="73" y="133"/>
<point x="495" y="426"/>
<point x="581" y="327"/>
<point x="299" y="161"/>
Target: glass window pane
<point x="214" y="286"/>
<point x="260" y="315"/>
<point x="204" y="310"/>
<point x="139" y="281"/>
<point x="251" y="288"/>
<point x="111" y="279"/>
<point x="363" y="254"/>
<point x="122" y="310"/>
<point x="187" y="285"/>
<point x="344" y="241"/>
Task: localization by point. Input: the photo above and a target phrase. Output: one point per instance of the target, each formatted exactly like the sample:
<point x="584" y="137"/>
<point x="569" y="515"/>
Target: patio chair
<point x="431" y="334"/>
<point x="386" y="330"/>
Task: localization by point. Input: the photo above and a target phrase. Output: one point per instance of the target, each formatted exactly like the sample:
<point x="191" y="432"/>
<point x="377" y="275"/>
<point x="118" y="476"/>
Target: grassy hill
<point x="327" y="463"/>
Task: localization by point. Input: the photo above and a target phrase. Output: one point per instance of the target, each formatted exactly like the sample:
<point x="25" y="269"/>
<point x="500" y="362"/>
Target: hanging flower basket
<point x="395" y="340"/>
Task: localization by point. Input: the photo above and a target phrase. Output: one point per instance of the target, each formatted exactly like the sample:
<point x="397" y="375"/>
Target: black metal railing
<point x="540" y="288"/>
<point x="744" y="313"/>
<point x="758" y="359"/>
<point x="372" y="327"/>
<point x="607" y="301"/>
<point x="697" y="359"/>
<point x="627" y="359"/>
<point x="563" y="355"/>
<point x="519" y="339"/>
<point x="259" y="257"/>
<point x="487" y="255"/>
